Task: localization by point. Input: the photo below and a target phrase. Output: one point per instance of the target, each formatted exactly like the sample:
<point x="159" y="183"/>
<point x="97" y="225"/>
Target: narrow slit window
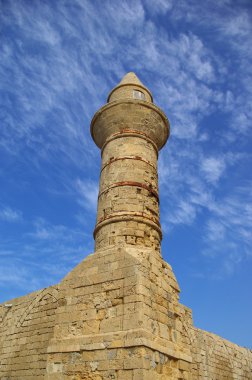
<point x="138" y="95"/>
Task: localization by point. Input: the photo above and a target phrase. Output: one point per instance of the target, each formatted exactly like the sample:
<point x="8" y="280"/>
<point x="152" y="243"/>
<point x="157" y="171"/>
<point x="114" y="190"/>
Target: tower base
<point x="115" y="316"/>
<point x="121" y="320"/>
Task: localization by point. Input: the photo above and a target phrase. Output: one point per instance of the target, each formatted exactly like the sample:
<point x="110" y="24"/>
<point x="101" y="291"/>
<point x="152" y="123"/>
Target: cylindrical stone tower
<point x="129" y="130"/>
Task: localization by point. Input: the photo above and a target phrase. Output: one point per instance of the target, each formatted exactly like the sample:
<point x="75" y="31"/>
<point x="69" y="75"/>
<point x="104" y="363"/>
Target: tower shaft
<point x="130" y="130"/>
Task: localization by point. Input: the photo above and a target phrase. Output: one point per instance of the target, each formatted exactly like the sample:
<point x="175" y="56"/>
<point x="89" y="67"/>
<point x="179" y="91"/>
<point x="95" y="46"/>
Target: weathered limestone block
<point x="117" y="314"/>
<point x="26" y="327"/>
<point x="216" y="358"/>
<point x="120" y="315"/>
<point x="130" y="130"/>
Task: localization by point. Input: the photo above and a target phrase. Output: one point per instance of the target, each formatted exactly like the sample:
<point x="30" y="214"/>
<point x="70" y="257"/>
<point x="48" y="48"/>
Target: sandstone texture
<point x="117" y="315"/>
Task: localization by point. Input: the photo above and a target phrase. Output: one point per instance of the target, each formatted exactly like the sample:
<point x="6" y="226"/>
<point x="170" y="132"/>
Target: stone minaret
<point x="121" y="318"/>
<point x="116" y="315"/>
<point x="130" y="130"/>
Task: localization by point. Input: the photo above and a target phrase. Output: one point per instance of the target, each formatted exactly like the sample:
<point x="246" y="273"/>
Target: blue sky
<point x="59" y="60"/>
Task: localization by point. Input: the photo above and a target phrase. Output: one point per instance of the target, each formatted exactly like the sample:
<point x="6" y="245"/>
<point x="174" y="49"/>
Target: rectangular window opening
<point x="138" y="95"/>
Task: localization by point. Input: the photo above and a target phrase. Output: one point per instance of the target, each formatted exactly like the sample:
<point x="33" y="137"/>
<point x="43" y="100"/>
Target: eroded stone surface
<point x="117" y="314"/>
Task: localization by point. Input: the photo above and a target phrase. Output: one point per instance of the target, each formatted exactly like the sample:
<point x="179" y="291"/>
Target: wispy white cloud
<point x="13" y="274"/>
<point x="227" y="234"/>
<point x="159" y="6"/>
<point x="126" y="19"/>
<point x="42" y="256"/>
<point x="7" y="214"/>
<point x="191" y="190"/>
<point x="59" y="62"/>
<point x="44" y="230"/>
<point x="88" y="194"/>
<point x="213" y="168"/>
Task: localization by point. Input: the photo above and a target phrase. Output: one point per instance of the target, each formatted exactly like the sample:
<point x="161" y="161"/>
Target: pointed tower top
<point x="130" y="85"/>
<point x="131" y="78"/>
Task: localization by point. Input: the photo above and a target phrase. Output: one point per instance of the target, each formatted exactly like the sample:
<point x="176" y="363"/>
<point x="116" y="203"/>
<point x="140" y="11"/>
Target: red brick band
<point x="128" y="158"/>
<point x="131" y="183"/>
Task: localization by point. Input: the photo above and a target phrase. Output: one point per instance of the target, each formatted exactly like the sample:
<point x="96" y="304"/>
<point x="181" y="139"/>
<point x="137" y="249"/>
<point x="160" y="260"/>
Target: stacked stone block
<point x="117" y="314"/>
<point x="27" y="325"/>
<point x="122" y="318"/>
<point x="130" y="132"/>
<point x="217" y="358"/>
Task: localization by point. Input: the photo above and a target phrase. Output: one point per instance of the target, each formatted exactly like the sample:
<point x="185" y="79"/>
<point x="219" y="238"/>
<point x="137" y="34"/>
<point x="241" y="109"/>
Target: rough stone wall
<point x="121" y="320"/>
<point x="117" y="314"/>
<point x="129" y="130"/>
<point x="216" y="358"/>
<point x="129" y="134"/>
<point x="26" y="327"/>
<point x="128" y="194"/>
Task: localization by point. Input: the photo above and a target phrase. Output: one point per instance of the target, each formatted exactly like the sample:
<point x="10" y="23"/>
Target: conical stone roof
<point x="131" y="79"/>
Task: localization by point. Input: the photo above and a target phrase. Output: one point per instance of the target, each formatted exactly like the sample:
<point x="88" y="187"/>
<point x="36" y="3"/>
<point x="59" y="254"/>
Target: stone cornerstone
<point x="117" y="314"/>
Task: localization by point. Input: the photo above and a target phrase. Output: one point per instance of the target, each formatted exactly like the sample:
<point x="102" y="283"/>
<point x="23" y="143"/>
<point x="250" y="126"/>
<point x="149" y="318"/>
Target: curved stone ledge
<point x="130" y="338"/>
<point x="115" y="116"/>
<point x="129" y="217"/>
